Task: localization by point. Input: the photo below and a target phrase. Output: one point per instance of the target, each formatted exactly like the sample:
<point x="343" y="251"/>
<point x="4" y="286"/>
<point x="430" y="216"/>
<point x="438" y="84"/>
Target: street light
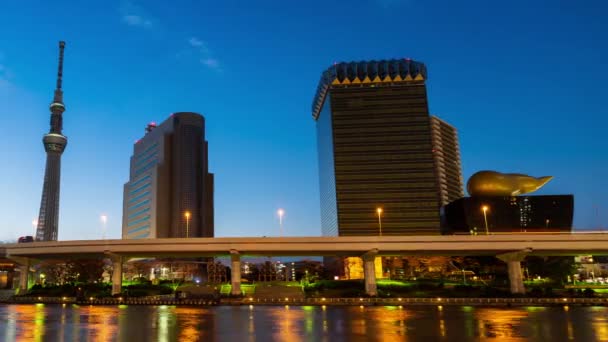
<point x="35" y="225"/>
<point x="379" y="211"/>
<point x="485" y="217"/>
<point x="104" y="220"/>
<point x="281" y="212"/>
<point x="187" y="215"/>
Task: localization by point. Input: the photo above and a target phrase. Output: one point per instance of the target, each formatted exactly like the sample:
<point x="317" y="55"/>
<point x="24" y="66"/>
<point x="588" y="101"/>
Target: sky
<point x="524" y="82"/>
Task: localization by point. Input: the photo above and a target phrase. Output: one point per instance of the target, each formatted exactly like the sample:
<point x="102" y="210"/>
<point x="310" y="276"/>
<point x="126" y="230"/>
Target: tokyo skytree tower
<point x="54" y="145"/>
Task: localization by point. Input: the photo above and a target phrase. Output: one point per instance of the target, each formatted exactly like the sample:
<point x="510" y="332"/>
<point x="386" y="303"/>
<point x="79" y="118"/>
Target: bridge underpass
<point x="511" y="249"/>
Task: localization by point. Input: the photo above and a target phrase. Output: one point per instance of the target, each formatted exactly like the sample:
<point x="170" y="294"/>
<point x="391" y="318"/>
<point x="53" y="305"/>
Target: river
<point x="39" y="322"/>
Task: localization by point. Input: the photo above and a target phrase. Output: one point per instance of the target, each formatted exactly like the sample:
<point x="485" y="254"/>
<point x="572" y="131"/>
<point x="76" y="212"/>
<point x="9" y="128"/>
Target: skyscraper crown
<point x="367" y="73"/>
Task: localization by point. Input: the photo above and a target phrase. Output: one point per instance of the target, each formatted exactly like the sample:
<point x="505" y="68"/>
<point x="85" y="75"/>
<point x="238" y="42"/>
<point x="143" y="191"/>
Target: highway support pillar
<point x="513" y="261"/>
<point x="369" y="272"/>
<point x="24" y="276"/>
<point x="23" y="264"/>
<point x="117" y="261"/>
<point x="235" y="272"/>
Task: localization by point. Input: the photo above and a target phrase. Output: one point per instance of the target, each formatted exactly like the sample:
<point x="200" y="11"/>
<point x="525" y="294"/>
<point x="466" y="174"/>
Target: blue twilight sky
<point x="525" y="83"/>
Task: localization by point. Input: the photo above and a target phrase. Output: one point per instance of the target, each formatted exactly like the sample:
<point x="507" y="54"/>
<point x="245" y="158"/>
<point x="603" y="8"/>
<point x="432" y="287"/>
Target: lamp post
<point x="104" y="221"/>
<point x="187" y="215"/>
<point x="379" y="212"/>
<point x="281" y="212"/>
<point x="35" y="225"/>
<point x="485" y="217"/>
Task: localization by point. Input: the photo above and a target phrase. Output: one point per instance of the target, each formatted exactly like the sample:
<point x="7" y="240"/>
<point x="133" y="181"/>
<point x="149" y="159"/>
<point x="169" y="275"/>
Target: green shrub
<point x="589" y="293"/>
<point x="426" y="286"/>
<point x="350" y="293"/>
<point x="464" y="288"/>
<point x="493" y="292"/>
<point x="138" y="293"/>
<point x="536" y="292"/>
<point x="166" y="290"/>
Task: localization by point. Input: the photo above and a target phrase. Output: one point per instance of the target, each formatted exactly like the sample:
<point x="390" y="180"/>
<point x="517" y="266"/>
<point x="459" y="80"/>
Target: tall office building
<point x="375" y="149"/>
<point x="170" y="190"/>
<point x="446" y="151"/>
<point x="54" y="145"/>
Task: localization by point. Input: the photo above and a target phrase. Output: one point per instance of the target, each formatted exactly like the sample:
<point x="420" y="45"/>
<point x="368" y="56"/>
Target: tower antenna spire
<point x="58" y="91"/>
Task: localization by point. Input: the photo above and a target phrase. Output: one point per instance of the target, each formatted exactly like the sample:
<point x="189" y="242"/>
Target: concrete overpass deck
<point x="510" y="248"/>
<point x="536" y="244"/>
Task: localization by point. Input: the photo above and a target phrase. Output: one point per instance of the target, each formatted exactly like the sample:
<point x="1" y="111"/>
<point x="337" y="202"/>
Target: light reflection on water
<point x="293" y="323"/>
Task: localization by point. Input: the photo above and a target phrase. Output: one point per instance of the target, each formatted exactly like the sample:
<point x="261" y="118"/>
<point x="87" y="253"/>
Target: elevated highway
<point x="537" y="244"/>
<point x="511" y="248"/>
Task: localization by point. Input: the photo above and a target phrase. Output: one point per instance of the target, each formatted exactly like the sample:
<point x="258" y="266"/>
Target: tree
<point x="427" y="265"/>
<point x="86" y="270"/>
<point x="77" y="270"/>
<point x="267" y="272"/>
<point x="412" y="264"/>
<point x="555" y="268"/>
<point x="138" y="269"/>
<point x="216" y="272"/>
<point x="55" y="271"/>
<point x="389" y="263"/>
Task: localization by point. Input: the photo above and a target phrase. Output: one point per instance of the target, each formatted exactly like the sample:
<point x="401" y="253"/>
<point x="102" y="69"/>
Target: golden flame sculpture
<point x="492" y="183"/>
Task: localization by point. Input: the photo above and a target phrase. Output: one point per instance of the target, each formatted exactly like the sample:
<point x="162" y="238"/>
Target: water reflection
<point x="25" y="321"/>
<point x="501" y="323"/>
<point x="287" y="323"/>
<point x="260" y="323"/>
<point x="600" y="327"/>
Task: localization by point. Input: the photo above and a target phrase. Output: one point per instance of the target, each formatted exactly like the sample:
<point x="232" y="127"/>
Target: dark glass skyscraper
<point x="54" y="145"/>
<point x="375" y="149"/>
<point x="170" y="190"/>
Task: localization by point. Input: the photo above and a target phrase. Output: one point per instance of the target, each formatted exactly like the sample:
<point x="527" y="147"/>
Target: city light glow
<point x="281" y="213"/>
<point x="104" y="221"/>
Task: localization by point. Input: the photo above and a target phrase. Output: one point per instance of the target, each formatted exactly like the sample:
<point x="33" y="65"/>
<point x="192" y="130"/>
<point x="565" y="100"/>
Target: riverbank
<point x="316" y="301"/>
